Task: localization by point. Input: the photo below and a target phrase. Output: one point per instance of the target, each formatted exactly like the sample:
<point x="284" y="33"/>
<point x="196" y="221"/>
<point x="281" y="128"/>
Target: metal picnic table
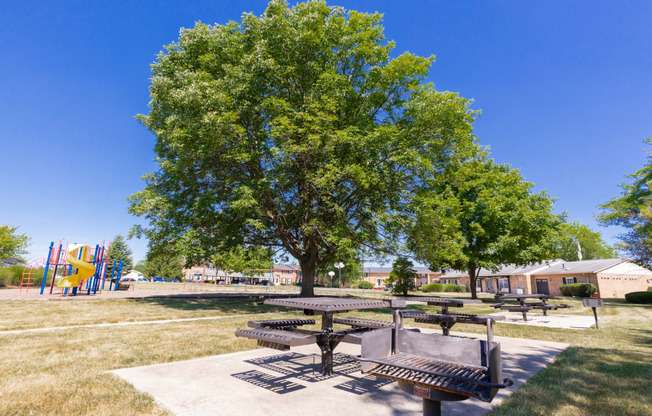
<point x="285" y="333"/>
<point x="524" y="307"/>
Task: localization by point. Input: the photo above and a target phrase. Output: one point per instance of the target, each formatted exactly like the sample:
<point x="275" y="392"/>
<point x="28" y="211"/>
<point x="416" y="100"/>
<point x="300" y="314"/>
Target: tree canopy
<point x="12" y="244"/>
<point x="293" y="130"/>
<point x="633" y="210"/>
<point x="241" y="258"/>
<point x="591" y="243"/>
<point x="119" y="250"/>
<point x="483" y="215"/>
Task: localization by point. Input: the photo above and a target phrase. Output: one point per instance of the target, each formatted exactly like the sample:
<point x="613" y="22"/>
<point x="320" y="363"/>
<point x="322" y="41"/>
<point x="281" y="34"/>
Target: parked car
<point x="173" y="280"/>
<point x="158" y="279"/>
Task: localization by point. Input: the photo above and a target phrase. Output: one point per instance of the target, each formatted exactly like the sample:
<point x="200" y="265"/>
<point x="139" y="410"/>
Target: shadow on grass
<point x="641" y="337"/>
<point x="597" y="381"/>
<point x="623" y="302"/>
<point x="224" y="305"/>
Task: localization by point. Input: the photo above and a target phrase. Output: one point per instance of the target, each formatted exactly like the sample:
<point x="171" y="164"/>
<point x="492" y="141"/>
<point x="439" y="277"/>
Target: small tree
<point x="165" y="265"/>
<point x="11" y="244"/>
<point x="119" y="250"/>
<point x="402" y="276"/>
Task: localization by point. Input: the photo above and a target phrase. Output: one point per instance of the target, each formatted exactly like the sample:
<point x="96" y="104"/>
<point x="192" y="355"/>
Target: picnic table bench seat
<point x="278" y="339"/>
<point x="363" y="323"/>
<point x="544" y="306"/>
<point x="280" y="323"/>
<point x="516" y="308"/>
<point x="497" y="305"/>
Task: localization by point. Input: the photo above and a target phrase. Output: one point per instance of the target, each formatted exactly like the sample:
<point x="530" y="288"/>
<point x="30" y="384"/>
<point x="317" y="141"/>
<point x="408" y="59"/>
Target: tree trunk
<point x="473" y="279"/>
<point x="307" y="278"/>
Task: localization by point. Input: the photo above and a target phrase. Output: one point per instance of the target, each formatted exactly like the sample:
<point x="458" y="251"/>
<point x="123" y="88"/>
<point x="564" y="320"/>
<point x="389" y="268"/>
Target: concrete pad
<point x="549" y="321"/>
<point x="269" y="382"/>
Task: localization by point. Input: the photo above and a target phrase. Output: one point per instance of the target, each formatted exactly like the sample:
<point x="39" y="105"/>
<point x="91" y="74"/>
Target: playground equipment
<point x="85" y="269"/>
<point x="74" y="267"/>
<point x="254" y="274"/>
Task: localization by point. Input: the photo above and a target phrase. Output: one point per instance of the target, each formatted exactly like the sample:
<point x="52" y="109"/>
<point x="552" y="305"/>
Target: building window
<point x="570" y="280"/>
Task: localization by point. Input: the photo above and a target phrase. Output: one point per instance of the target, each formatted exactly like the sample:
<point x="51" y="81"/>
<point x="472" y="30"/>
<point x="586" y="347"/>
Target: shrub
<point x="448" y="287"/>
<point x="11" y="276"/>
<point x="461" y="288"/>
<point x="649" y="289"/>
<point x="365" y="285"/>
<point x="582" y="290"/>
<point x="433" y="287"/>
<point x="639" y="297"/>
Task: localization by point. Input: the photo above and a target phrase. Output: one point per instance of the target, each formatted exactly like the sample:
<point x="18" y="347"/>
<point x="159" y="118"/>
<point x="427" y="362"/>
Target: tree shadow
<point x="599" y="381"/>
<point x="230" y="305"/>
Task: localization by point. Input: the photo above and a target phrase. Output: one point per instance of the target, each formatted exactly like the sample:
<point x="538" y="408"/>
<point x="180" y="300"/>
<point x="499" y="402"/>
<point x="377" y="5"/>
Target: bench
<point x="123" y="286"/>
<point x="497" y="305"/>
<point x="277" y="339"/>
<point x="281" y="323"/>
<point x="363" y="323"/>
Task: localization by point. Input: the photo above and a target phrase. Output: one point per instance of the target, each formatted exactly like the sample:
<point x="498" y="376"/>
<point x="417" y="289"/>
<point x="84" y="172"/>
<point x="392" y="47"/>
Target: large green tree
<point x="633" y="210"/>
<point x="294" y="129"/>
<point x="591" y="243"/>
<point x="483" y="215"/>
<point x="119" y="250"/>
<point x="12" y="245"/>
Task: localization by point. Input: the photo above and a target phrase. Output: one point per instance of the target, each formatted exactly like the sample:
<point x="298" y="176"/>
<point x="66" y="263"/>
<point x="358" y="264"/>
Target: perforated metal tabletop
<point x="328" y="304"/>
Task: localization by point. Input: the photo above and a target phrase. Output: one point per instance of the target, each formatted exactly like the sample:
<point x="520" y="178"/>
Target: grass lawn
<point x="606" y="372"/>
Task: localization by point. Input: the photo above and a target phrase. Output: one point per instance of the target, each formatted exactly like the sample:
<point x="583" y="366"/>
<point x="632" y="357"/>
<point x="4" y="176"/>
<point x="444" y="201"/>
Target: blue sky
<point x="565" y="89"/>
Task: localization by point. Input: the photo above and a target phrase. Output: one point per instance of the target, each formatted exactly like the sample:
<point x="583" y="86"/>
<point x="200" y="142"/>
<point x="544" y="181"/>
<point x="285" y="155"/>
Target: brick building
<point x="612" y="277"/>
<point x="280" y="274"/>
<point x="378" y="275"/>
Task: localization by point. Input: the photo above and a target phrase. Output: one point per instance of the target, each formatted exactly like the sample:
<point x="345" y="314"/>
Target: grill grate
<point x="467" y="380"/>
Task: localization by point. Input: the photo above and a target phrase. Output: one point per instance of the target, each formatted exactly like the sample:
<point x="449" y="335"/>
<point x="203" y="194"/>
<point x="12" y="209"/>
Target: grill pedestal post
<point x="431" y="407"/>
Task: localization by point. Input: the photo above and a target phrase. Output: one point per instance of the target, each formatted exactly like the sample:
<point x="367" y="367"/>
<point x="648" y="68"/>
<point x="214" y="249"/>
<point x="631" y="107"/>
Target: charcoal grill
<point x="432" y="366"/>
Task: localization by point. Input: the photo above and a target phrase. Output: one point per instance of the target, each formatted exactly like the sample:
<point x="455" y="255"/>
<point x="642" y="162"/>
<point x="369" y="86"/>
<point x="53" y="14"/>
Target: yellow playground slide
<point x="85" y="270"/>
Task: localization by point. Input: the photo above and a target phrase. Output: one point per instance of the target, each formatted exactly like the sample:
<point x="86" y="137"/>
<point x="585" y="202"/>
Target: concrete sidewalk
<point x="268" y="382"/>
<point x="548" y="321"/>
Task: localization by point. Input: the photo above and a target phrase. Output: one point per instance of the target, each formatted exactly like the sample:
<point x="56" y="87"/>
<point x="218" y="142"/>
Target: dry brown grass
<point x="65" y="372"/>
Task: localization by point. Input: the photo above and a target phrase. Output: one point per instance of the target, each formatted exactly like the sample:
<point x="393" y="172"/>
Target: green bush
<point x="11" y="276"/>
<point x="649" y="289"/>
<point x="461" y="288"/>
<point x="365" y="285"/>
<point x="449" y="287"/>
<point x="639" y="297"/>
<point x="582" y="290"/>
<point x="432" y="287"/>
